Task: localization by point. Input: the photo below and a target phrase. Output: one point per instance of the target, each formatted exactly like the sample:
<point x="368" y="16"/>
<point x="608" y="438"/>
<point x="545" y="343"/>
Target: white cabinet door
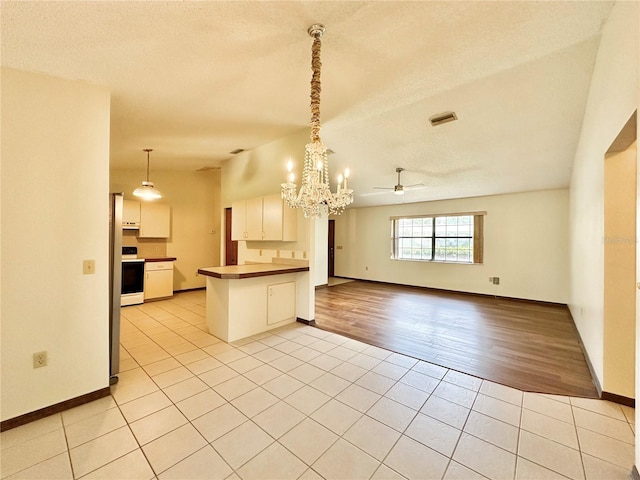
<point x="131" y="214"/>
<point x="254" y="219"/>
<point x="239" y="220"/>
<point x="155" y="220"/>
<point x="272" y="217"/>
<point x="158" y="282"/>
<point x="289" y="223"/>
<point x="281" y="302"/>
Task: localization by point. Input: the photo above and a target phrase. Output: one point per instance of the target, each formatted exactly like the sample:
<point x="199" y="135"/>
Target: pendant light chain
<point x="316" y="66"/>
<point x="148" y="150"/>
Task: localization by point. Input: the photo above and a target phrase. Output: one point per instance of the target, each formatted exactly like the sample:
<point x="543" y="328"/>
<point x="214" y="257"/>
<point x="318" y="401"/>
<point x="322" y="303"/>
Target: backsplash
<point x="147" y="247"/>
<point x="264" y="255"/>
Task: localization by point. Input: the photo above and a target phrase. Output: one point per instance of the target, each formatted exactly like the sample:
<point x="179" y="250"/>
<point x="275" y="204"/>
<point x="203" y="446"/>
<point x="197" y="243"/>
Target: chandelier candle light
<point x="315" y="192"/>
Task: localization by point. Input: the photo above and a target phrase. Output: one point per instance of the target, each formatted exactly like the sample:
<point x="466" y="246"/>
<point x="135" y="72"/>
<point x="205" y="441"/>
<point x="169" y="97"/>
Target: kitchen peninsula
<point x="243" y="300"/>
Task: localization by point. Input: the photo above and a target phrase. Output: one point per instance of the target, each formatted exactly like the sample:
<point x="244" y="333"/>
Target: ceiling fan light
<point x="399" y="191"/>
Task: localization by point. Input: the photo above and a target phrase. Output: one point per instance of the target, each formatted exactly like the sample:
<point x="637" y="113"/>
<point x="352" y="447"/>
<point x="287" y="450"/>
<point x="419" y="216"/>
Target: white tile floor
<point x="303" y="403"/>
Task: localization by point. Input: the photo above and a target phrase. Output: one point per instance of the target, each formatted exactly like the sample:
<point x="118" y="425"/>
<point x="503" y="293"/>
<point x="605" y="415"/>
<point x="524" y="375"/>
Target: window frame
<point x="477" y="237"/>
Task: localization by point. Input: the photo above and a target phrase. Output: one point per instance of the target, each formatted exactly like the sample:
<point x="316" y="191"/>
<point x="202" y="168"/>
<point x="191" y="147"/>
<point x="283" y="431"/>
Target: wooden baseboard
<point x="195" y="289"/>
<point x="53" y="409"/>
<point x="634" y="473"/>
<point x="612" y="397"/>
<point x="461" y="292"/>
<point x="311" y="323"/>
<point x="619" y="399"/>
<point x="594" y="378"/>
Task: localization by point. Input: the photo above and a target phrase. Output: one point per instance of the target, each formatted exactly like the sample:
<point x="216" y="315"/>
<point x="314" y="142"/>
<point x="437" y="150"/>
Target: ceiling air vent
<point x="236" y="151"/>
<point x="441" y="118"/>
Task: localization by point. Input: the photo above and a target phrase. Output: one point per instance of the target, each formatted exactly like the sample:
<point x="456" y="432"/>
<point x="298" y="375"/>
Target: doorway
<point x="331" y="247"/>
<point x="620" y="244"/>
<point x="231" y="246"/>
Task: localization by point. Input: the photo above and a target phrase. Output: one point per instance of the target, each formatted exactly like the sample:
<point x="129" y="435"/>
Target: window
<point x="439" y="238"/>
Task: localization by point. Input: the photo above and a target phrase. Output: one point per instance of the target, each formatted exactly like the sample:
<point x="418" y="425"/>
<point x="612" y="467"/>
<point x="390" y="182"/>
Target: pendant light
<point x="147" y="191"/>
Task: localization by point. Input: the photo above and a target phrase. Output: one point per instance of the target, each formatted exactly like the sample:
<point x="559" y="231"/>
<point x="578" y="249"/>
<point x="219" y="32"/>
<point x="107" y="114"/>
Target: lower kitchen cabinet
<point x="281" y="302"/>
<point x="158" y="280"/>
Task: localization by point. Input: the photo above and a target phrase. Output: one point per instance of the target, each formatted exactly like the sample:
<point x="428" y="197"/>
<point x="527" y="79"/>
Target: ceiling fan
<point x="399" y="189"/>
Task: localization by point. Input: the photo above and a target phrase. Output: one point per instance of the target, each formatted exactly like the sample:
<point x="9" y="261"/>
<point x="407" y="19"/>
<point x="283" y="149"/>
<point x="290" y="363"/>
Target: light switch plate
<point x="89" y="267"/>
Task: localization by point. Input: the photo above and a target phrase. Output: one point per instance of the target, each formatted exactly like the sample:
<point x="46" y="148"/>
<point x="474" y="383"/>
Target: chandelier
<point x="315" y="196"/>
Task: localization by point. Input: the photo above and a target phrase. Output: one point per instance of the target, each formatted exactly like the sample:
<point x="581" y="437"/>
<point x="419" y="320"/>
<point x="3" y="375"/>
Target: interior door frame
<point x="331" y="242"/>
<point x="231" y="246"/>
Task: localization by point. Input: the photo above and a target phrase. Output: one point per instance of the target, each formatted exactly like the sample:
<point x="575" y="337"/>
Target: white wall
<point x="613" y="97"/>
<point x="321" y="244"/>
<point x="525" y="244"/>
<point x="55" y="214"/>
<point x="194" y="198"/>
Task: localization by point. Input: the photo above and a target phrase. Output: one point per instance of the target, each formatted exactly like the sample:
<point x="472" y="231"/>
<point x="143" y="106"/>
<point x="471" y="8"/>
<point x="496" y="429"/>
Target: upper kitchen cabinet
<point x="155" y="220"/>
<point x="263" y="218"/>
<point x="131" y="215"/>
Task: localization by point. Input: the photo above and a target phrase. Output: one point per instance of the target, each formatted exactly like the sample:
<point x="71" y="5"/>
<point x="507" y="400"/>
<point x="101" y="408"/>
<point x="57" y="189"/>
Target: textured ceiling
<point x="195" y="80"/>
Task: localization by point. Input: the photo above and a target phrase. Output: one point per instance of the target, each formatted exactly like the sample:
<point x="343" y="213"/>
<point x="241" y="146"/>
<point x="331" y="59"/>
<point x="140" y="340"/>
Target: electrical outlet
<point x="366" y="268"/>
<point x="490" y="279"/>
<point x="278" y="253"/>
<point x="39" y="359"/>
<point x="304" y="254"/>
<point x="293" y="254"/>
<point x="88" y="267"/>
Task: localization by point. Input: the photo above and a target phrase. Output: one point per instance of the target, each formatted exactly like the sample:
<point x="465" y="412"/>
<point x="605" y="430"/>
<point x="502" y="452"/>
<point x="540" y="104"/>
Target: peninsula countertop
<point x="234" y="272"/>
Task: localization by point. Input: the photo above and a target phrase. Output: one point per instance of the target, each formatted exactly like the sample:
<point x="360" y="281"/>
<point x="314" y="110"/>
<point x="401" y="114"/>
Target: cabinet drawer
<point x="150" y="266"/>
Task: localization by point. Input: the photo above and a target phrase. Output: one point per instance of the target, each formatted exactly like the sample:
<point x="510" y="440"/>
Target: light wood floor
<point x="526" y="345"/>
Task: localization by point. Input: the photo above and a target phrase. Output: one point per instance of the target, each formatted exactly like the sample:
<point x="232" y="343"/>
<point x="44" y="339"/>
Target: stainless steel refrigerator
<point x="115" y="283"/>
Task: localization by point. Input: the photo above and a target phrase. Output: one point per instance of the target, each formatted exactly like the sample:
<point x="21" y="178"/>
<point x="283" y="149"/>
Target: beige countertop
<point x="251" y="270"/>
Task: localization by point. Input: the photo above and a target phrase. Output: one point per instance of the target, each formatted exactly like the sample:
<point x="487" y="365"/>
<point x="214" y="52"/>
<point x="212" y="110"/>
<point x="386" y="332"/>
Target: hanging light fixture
<point x="315" y="195"/>
<point x="147" y="191"/>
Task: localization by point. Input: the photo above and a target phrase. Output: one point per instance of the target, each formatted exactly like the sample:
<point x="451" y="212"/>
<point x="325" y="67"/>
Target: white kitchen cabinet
<point x="263" y="218"/>
<point x="253" y="225"/>
<point x="281" y="302"/>
<point x="155" y="220"/>
<point x="131" y="214"/>
<point x="246" y="219"/>
<point x="158" y="280"/>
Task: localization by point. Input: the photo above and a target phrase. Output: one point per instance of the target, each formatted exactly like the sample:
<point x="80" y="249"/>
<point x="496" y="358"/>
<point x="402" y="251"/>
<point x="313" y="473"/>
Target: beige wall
<point x="613" y="97"/>
<point x="54" y="194"/>
<point x="525" y="244"/>
<point x="620" y="272"/>
<point x="194" y="198"/>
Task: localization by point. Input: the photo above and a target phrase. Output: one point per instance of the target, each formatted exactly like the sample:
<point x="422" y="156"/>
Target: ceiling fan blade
<point x="369" y="194"/>
<point x="383" y="188"/>
<point x="415" y="186"/>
